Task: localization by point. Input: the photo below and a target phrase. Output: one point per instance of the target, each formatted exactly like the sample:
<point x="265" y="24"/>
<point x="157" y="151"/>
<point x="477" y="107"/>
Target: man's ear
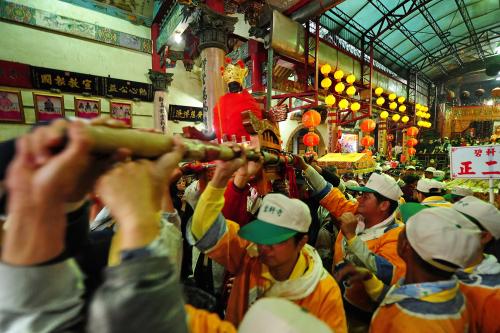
<point x="385" y="205"/>
<point x="303" y="241"/>
<point x="486" y="237"/>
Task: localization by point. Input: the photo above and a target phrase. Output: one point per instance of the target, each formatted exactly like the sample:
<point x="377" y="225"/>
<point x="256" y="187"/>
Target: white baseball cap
<point x="382" y="184"/>
<point x="278" y="315"/>
<point x="410" y="167"/>
<point x="441" y="235"/>
<point x="429" y="186"/>
<point x="480" y="212"/>
<point x="462" y="191"/>
<point x="351" y="183"/>
<point x="279" y="219"/>
<point x="430" y="169"/>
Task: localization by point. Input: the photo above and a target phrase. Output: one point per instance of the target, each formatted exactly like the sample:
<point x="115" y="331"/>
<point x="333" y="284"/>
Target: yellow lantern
<point x="418" y="107"/>
<point x="379" y="91"/>
<point x="396" y="117"/>
<point x="384" y="114"/>
<point x="338" y="75"/>
<point x="405" y="119"/>
<point x="326" y="83"/>
<point x="427" y="116"/>
<point x="350" y="79"/>
<point x="401" y="99"/>
<point x="393" y="106"/>
<point x="418" y="114"/>
<point x="425" y="108"/>
<point x="343" y="104"/>
<point x="392" y="97"/>
<point x="420" y="123"/>
<point x="330" y="100"/>
<point x="355" y="106"/>
<point x="429" y="125"/>
<point x="380" y="101"/>
<point x="326" y="69"/>
<point x="350" y="91"/>
<point x="402" y="108"/>
<point x="339" y="87"/>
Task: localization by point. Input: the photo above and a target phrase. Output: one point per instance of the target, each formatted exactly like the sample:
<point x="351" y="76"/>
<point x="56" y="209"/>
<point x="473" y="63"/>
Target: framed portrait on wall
<point x="87" y="107"/>
<point x="11" y="106"/>
<point x="121" y="110"/>
<point x="48" y="106"/>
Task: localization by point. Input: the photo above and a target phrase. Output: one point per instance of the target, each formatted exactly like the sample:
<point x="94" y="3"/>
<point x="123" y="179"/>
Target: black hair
<point x="410" y="179"/>
<point x="298" y="237"/>
<point x="393" y="205"/>
<point x="434" y="270"/>
<point x="432" y="192"/>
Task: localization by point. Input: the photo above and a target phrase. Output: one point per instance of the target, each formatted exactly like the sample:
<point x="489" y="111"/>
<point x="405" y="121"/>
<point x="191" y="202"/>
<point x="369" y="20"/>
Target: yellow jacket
<point x="310" y="285"/>
<point x="201" y="321"/>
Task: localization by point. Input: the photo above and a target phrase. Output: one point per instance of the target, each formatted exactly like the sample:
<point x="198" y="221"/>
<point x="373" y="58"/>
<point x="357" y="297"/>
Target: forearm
<point x="36" y="242"/>
<point x="315" y="179"/>
<point x="208" y="208"/>
<point x="376" y="264"/>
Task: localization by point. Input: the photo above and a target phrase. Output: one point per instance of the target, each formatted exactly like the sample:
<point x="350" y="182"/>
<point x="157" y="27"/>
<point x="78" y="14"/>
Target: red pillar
<point x="155" y="31"/>
<point x="216" y="5"/>
<point x="258" y="56"/>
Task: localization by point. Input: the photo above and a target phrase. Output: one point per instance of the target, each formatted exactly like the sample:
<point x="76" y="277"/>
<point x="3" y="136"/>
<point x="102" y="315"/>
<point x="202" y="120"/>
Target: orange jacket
<point x="201" y="321"/>
<point x="322" y="300"/>
<point x="483" y="292"/>
<point x="437" y="307"/>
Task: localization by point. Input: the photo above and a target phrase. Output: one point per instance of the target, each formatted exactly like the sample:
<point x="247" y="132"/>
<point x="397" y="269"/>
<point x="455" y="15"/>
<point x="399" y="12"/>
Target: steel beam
<point x="462" y="8"/>
<point x="451" y="48"/>
<point x="394" y="20"/>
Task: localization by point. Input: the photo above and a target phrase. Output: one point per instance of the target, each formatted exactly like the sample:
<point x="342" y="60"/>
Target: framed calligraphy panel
<point x="121" y="110"/>
<point x="48" y="106"/>
<point x="87" y="107"/>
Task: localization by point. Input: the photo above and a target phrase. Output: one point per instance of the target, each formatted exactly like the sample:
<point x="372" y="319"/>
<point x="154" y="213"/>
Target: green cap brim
<point x="361" y="189"/>
<point x="261" y="232"/>
<point x="409" y="209"/>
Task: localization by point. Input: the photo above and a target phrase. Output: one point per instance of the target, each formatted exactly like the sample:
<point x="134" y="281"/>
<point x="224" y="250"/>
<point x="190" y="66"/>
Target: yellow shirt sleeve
<point x="207" y="209"/>
<point x="374" y="287"/>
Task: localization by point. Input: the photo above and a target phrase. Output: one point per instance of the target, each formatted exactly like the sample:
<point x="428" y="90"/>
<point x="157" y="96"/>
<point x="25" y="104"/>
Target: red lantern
<point x="412" y="131"/>
<point x="368" y="125"/>
<point x="311" y="118"/>
<point x="412" y="142"/>
<point x="311" y="139"/>
<point x="402" y="158"/>
<point x="390" y="137"/>
<point x="368" y="152"/>
<point x="412" y="151"/>
<point x="367" y="141"/>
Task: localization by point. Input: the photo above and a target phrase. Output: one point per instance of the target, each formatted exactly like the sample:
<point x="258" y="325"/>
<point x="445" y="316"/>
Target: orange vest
<point x="201" y="321"/>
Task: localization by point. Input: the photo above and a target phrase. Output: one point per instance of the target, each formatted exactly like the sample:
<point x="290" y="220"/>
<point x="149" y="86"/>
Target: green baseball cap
<point x="280" y="218"/>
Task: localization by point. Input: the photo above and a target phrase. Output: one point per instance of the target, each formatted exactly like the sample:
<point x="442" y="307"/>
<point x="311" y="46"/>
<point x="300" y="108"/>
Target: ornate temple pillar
<point x="161" y="82"/>
<point x="382" y="137"/>
<point x="212" y="28"/>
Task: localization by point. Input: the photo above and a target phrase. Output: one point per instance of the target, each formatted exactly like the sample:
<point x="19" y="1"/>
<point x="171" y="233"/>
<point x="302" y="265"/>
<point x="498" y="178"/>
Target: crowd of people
<point x="107" y="243"/>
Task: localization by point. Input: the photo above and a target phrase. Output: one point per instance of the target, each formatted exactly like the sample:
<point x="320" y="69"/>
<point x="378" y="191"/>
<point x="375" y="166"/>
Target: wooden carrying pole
<point x="106" y="140"/>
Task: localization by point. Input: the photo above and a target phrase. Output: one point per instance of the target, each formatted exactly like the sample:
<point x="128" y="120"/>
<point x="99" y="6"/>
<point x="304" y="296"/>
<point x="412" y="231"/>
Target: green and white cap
<point x="278" y="315"/>
<point x="441" y="235"/>
<point x="480" y="212"/>
<point x="280" y="218"/>
<point x="382" y="184"/>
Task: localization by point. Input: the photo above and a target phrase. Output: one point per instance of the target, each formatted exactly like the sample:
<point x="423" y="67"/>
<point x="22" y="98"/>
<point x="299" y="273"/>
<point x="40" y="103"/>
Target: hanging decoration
<point x="350" y="79"/>
<point x="339" y="87"/>
<point x="412" y="131"/>
<point x="405" y="119"/>
<point x="412" y="151"/>
<point x="380" y="101"/>
<point x="338" y="75"/>
<point x="402" y="108"/>
<point x="326" y="69"/>
<point x="411" y="142"/>
<point x="401" y="99"/>
<point x="330" y="100"/>
<point x="355" y="106"/>
<point x="351" y="91"/>
<point x="368" y="125"/>
<point x="311" y="139"/>
<point x="384" y="115"/>
<point x="392" y="96"/>
<point x="311" y="118"/>
<point x="343" y="104"/>
<point x="379" y="91"/>
<point x="326" y="83"/>
<point x="396" y="117"/>
<point x="393" y="106"/>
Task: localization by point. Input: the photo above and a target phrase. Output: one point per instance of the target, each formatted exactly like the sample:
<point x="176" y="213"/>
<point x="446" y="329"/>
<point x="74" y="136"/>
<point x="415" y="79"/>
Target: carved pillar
<point x="382" y="138"/>
<point x="161" y="82"/>
<point x="212" y="29"/>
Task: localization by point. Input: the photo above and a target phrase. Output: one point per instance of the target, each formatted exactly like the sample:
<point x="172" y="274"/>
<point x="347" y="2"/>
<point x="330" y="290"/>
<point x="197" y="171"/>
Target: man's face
<point x="429" y="174"/>
<point x="367" y="204"/>
<point x="279" y="254"/>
